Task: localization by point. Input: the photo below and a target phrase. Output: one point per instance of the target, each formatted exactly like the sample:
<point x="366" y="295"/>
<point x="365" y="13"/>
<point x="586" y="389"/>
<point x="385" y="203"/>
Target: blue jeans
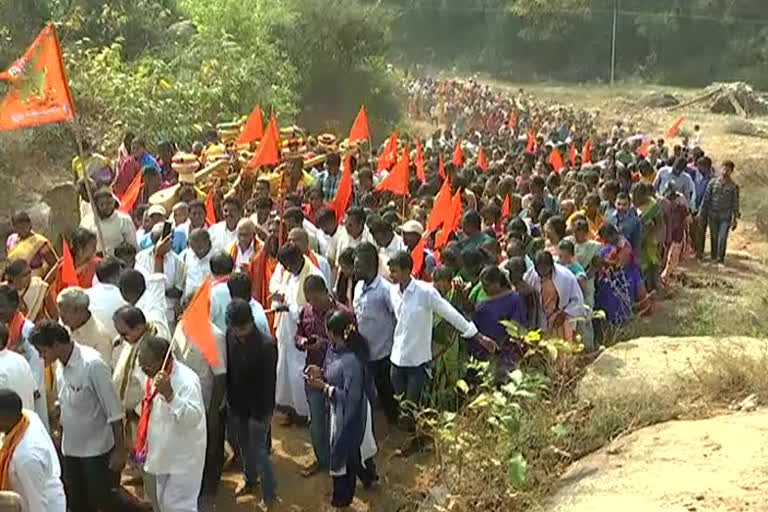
<point x="319" y="431"/>
<point x="409" y="381"/>
<point x="251" y="437"/>
<point x="718" y="232"/>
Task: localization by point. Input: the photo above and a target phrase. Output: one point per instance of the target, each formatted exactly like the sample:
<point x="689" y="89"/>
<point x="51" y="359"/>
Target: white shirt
<point x="105" y="300"/>
<point x="220" y="299"/>
<point x="117" y="229"/>
<point x="89" y="404"/>
<point x="221" y="237"/>
<point x="325" y="268"/>
<point x="195" y="271"/>
<point x="346" y="240"/>
<point x="37" y="366"/>
<point x="176" y="436"/>
<point x="93" y="334"/>
<point x="570" y="297"/>
<point x="16" y="375"/>
<point x="387" y="253"/>
<point x="243" y="257"/>
<point x="189" y="354"/>
<point x="35" y="474"/>
<point x="173" y="268"/>
<point x="152" y="304"/>
<point x="412" y="342"/>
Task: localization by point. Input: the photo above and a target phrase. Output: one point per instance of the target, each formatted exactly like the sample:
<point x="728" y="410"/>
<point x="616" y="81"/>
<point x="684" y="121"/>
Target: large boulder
<point x="659" y="100"/>
<point x="712" y="465"/>
<point x="659" y="364"/>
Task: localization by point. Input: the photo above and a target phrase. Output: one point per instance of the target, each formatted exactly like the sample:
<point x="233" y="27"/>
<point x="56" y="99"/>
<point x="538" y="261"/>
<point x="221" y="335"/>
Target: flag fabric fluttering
<point x="675" y="128"/>
<point x="530" y="146"/>
<point x="131" y="195"/>
<point x="452" y="223"/>
<point x="388" y="155"/>
<point x="420" y="162"/>
<point x="397" y="181"/>
<point x="512" y="123"/>
<point x="441" y="208"/>
<point x="360" y="130"/>
<point x="482" y="162"/>
<point x="268" y="152"/>
<point x="39" y="92"/>
<point x="573" y="153"/>
<point x="343" y="195"/>
<point x="67" y="272"/>
<point x="458" y="155"/>
<point x="556" y="160"/>
<point x="506" y="207"/>
<point x="254" y="128"/>
<point x="196" y="323"/>
<point x="586" y="156"/>
<point x="417" y="256"/>
<point x="210" y="209"/>
<point x="645" y="148"/>
<point x="441" y="168"/>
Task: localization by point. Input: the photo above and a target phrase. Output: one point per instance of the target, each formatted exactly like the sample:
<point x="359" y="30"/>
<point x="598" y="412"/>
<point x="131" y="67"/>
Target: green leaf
<point x="462" y="386"/>
<point x="517" y="471"/>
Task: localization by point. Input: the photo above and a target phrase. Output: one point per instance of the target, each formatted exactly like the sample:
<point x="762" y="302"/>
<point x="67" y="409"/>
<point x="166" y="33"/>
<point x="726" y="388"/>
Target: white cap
<point x="156" y="209"/>
<point x="413" y="226"/>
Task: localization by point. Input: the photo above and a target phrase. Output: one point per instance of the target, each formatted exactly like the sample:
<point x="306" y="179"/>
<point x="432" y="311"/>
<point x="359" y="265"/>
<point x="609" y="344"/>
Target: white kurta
<point x="16" y="375"/>
<point x="35" y="473"/>
<point x="289" y="389"/>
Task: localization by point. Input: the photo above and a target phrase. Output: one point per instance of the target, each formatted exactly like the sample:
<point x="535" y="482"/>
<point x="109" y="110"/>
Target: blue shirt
<point x="178" y="241"/>
<point x="682" y="182"/>
<point x="700" y="184"/>
<point x="627" y="223"/>
<point x="375" y="317"/>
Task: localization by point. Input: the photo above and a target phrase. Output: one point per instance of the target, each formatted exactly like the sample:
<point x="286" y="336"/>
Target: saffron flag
<point x="39" y="92"/>
<point x="572" y="155"/>
<point x="458" y="155"/>
<point x="196" y="323"/>
<point x="452" y="223"/>
<point x="67" y="272"/>
<point x="482" y="162"/>
<point x="645" y="148"/>
<point x="441" y="209"/>
<point x="512" y="123"/>
<point x="420" y="162"/>
<point x="268" y="152"/>
<point x="388" y="156"/>
<point x="131" y="195"/>
<point x="675" y="128"/>
<point x="344" y="191"/>
<point x="254" y="128"/>
<point x="531" y="144"/>
<point x="506" y="208"/>
<point x="586" y="156"/>
<point x="360" y="129"/>
<point x="210" y="209"/>
<point x="397" y="181"/>
<point x="556" y="160"/>
<point x="417" y="255"/>
<point x="441" y="167"/>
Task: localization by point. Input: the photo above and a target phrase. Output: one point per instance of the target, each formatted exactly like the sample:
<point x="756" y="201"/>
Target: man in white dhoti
<point x="29" y="465"/>
<point x="171" y="438"/>
<point x="287" y="288"/>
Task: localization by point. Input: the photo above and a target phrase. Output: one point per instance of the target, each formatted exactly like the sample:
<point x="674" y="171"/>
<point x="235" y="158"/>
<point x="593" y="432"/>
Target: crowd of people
<point x="320" y="315"/>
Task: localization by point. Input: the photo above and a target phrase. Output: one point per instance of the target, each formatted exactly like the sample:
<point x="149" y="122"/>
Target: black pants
<point x="700" y="235"/>
<point x="344" y="485"/>
<point x="385" y="395"/>
<point x="214" y="453"/>
<point x="92" y="487"/>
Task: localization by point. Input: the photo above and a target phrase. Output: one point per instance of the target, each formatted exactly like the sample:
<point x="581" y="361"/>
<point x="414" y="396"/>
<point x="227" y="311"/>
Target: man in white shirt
<point x="176" y="436"/>
<point x="294" y="218"/>
<point x="221" y="270"/>
<point x="224" y="233"/>
<point x="414" y="303"/>
<point x="162" y="260"/>
<point x="91" y="420"/>
<point x="355" y="230"/>
<point x="85" y="329"/>
<point x="148" y="295"/>
<point x="34" y="472"/>
<point x="15" y="373"/>
<point x="388" y="242"/>
<point x="197" y="262"/>
<point x="104" y="295"/>
<point x="116" y="226"/>
<point x="300" y="239"/>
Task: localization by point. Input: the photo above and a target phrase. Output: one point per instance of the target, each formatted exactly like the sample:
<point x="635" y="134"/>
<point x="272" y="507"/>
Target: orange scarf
<point x="14" y="329"/>
<point x="139" y="451"/>
<point x="12" y="440"/>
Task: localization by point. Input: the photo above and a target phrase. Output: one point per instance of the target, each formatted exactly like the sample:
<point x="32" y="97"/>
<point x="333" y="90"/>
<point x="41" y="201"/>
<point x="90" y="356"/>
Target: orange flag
<point x="458" y="155"/>
<point x="482" y="162"/>
<point x="573" y="154"/>
<point x="452" y="223"/>
<point x="397" y="181"/>
<point x="67" y="272"/>
<point x="388" y="156"/>
<point x="531" y="145"/>
<point x="556" y="160"/>
<point x="645" y="148"/>
<point x="441" y="209"/>
<point x="441" y="167"/>
<point x="675" y="128"/>
<point x="586" y="156"/>
<point x="512" y="123"/>
<point x="254" y="128"/>
<point x="360" y="129"/>
<point x="210" y="209"/>
<point x="417" y="255"/>
<point x="196" y="323"/>
<point x="420" y="162"/>
<point x="131" y="195"/>
<point x="39" y="92"/>
<point x="506" y="208"/>
<point x="268" y="152"/>
<point x="344" y="191"/>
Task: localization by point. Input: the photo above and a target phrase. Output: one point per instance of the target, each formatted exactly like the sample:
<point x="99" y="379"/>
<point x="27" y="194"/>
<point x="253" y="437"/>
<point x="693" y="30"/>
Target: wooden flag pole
<point x="87" y="181"/>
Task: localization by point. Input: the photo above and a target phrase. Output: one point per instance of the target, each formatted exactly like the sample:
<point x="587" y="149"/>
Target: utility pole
<point x="613" y="40"/>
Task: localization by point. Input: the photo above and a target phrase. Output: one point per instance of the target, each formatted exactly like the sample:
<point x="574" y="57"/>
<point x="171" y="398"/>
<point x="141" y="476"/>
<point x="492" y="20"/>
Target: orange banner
<point x="39" y="91"/>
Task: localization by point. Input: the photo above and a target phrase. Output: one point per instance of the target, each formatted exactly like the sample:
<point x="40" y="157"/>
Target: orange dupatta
<point x="14" y="329"/>
<point x="261" y="269"/>
<point x="11" y="441"/>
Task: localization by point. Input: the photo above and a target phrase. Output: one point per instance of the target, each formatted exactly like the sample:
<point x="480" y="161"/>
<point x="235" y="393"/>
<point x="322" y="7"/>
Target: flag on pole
<point x="556" y="160"/>
<point x="572" y="155"/>
<point x="131" y="195"/>
<point x="531" y="144"/>
<point x="417" y="255"/>
<point x="397" y="181"/>
<point x="196" y="323"/>
<point x="254" y="128"/>
<point x="39" y="92"/>
<point x="452" y="223"/>
<point x="67" y="272"/>
<point x="360" y="129"/>
<point x="512" y="123"/>
<point x="441" y="167"/>
<point x="506" y="208"/>
<point x="675" y="128"/>
<point x="586" y="156"/>
<point x="268" y="152"/>
<point x="420" y="162"/>
<point x="388" y="156"/>
<point x="344" y="192"/>
<point x="458" y="155"/>
<point x="645" y="148"/>
<point x="441" y="209"/>
<point x="482" y="162"/>
<point x="210" y="209"/>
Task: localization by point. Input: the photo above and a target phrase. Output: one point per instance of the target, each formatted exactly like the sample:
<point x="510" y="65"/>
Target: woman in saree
<point x="652" y="219"/>
<point x="587" y="252"/>
<point x="25" y="244"/>
<point x="34" y="300"/>
<point x="83" y="248"/>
